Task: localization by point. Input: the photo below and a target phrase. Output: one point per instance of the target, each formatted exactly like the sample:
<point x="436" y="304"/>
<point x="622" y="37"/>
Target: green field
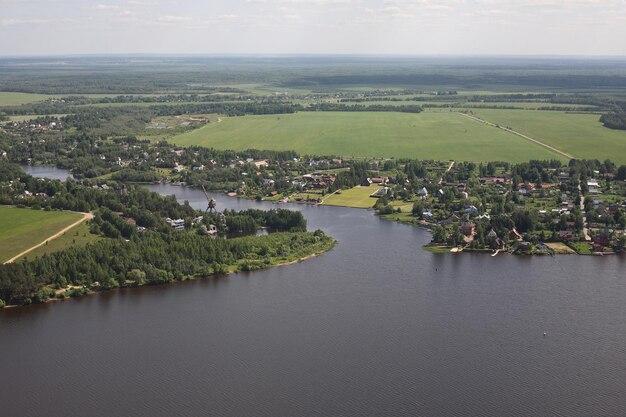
<point x="76" y="236"/>
<point x="578" y="134"/>
<point x="15" y="99"/>
<point x="358" y="197"/>
<point x="22" y="228"/>
<point x="427" y="135"/>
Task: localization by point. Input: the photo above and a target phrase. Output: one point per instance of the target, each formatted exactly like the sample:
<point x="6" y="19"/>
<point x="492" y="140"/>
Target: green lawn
<point x="15" y="99"/>
<point x="578" y="134"/>
<point x="358" y="197"/>
<point x="427" y="135"/>
<point x="76" y="236"/>
<point x="22" y="228"/>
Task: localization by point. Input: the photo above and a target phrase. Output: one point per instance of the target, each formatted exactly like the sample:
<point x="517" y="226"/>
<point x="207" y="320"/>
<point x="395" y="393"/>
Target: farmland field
<point x="358" y="197"/>
<point x="22" y="228"/>
<point x="578" y="134"/>
<point x="427" y="135"/>
<point x="14" y="99"/>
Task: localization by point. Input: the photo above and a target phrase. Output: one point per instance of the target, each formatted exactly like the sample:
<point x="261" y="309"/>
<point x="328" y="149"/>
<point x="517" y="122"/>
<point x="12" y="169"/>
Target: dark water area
<point x="47" y="172"/>
<point x="376" y="327"/>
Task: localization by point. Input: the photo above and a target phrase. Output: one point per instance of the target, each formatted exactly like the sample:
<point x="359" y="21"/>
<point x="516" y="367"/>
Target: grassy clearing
<point x="15" y="99"/>
<point x="22" y="118"/>
<point x="76" y="236"/>
<point x="578" y="134"/>
<point x="428" y="135"/>
<point x="561" y="248"/>
<point x="358" y="197"/>
<point x="22" y="228"/>
<point x="582" y="248"/>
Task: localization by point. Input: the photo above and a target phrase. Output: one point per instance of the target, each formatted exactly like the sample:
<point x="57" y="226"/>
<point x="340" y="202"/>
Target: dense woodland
<point x="158" y="254"/>
<point x="150" y="258"/>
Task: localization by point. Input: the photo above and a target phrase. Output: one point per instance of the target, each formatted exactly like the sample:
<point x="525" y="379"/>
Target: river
<point x="376" y="327"/>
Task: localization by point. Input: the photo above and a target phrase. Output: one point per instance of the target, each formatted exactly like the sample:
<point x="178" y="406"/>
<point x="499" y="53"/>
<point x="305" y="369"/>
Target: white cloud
<point x="107" y="7"/>
<point x="174" y="19"/>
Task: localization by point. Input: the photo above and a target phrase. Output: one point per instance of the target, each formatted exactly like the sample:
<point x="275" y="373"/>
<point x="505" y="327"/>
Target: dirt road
<point x="86" y="216"/>
<point x="538" y="142"/>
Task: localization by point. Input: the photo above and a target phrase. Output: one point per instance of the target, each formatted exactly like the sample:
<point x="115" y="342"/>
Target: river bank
<point x="324" y="245"/>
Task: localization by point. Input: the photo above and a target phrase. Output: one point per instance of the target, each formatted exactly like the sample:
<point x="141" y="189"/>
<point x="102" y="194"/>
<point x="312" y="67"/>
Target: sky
<point x="411" y="27"/>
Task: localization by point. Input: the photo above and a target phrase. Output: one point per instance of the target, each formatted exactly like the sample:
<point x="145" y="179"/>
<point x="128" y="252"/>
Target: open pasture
<point x="427" y="135"/>
<point x="358" y="197"/>
<point x="75" y="237"/>
<point x="578" y="134"/>
<point x="22" y="228"/>
<point x="15" y="99"/>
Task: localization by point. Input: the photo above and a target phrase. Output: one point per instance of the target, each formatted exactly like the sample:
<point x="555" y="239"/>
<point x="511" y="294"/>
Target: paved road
<point x="86" y="216"/>
<point x="538" y="142"/>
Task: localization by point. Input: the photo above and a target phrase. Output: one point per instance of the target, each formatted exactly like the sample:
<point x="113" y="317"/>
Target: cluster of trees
<point x="150" y="258"/>
<point x="616" y="120"/>
<point x="359" y="108"/>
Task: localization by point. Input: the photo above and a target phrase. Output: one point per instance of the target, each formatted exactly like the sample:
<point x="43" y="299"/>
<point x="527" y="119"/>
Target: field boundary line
<point x="86" y="216"/>
<point x="523" y="136"/>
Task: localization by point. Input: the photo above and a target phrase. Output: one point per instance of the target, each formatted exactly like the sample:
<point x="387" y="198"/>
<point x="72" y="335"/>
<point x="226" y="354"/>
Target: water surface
<point x="376" y="327"/>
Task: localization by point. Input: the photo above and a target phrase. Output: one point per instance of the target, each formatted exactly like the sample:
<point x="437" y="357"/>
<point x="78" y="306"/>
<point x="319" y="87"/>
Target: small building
<point x="178" y="224"/>
<point x="593" y="186"/>
<point x="602" y="238"/>
<point x="468" y="229"/>
<point x="514" y="234"/>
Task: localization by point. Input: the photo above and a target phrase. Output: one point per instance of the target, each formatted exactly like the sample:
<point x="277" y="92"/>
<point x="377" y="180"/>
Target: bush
<point x="2" y="304"/>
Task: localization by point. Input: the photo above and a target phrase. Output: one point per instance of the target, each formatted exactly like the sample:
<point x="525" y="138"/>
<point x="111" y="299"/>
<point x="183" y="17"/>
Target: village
<point x="539" y="207"/>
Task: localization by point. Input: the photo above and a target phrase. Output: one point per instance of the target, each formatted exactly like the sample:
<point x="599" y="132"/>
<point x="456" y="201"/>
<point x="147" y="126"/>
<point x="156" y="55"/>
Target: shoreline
<point x="91" y="292"/>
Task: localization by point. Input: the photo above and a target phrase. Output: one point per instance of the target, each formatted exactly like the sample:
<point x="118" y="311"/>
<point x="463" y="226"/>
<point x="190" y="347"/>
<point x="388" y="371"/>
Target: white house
<point x="593" y="186"/>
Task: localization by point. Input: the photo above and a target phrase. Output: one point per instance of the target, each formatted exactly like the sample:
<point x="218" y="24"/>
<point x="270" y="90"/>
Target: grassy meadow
<point x="358" y="197"/>
<point x="427" y="135"/>
<point x="76" y="236"/>
<point x="579" y="134"/>
<point x="15" y="99"/>
<point x="22" y="228"/>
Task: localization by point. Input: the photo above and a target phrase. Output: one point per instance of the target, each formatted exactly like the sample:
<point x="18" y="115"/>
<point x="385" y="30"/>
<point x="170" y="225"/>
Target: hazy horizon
<point x="579" y="28"/>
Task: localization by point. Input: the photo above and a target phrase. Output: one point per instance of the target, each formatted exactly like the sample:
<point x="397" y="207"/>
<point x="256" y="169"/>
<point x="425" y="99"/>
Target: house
<point x="261" y="164"/>
<point x="514" y="234"/>
<point x="423" y="192"/>
<point x="593" y="186"/>
<point x="178" y="224"/>
<point x="471" y="210"/>
<point x="452" y="219"/>
<point x="566" y="235"/>
<point x="427" y="215"/>
<point x="468" y="228"/>
<point x="383" y="191"/>
<point x="379" y="180"/>
<point x="366" y="182"/>
<point x="495" y="180"/>
<point x="602" y="239"/>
